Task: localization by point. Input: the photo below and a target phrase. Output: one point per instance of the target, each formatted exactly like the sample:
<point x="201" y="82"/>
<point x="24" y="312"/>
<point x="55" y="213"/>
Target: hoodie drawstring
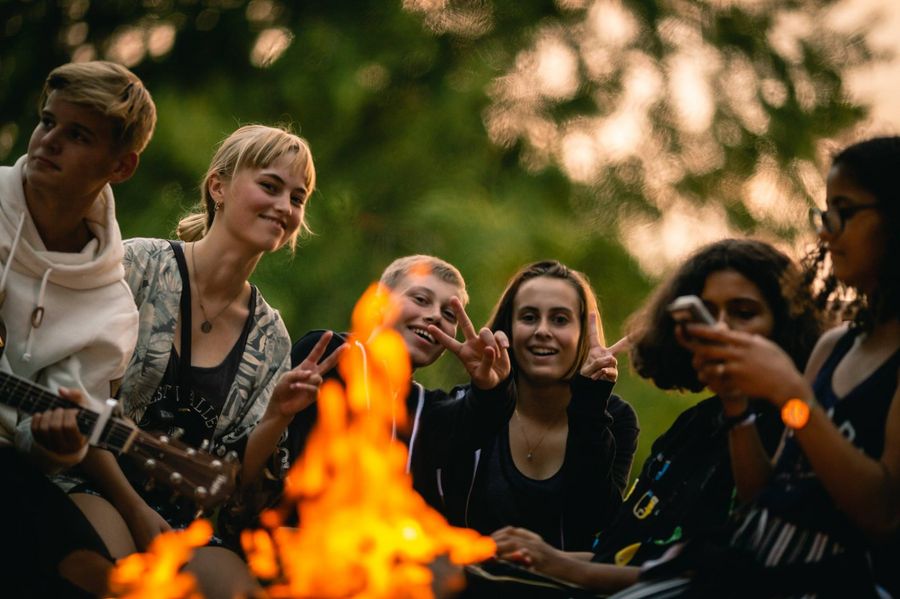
<point x="365" y="365"/>
<point x="415" y="427"/>
<point x="37" y="316"/>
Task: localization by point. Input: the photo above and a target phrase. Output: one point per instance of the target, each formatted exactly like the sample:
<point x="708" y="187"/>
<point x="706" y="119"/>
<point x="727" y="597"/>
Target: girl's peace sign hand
<point x="484" y="354"/>
<point x="601" y="362"/>
<point x="297" y="389"/>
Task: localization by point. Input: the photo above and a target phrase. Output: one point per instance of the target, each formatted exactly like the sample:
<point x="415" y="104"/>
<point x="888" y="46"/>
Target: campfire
<point x="156" y="574"/>
<point x="364" y="532"/>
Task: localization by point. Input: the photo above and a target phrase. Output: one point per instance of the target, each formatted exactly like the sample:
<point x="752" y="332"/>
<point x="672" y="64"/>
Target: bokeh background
<point x="614" y="135"/>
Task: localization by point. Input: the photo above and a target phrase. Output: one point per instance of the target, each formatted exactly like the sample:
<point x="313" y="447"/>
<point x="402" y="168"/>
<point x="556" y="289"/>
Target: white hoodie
<point x="89" y="324"/>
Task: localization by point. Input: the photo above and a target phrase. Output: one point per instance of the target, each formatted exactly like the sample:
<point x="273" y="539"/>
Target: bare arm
<point x="295" y="391"/>
<point x="750" y="464"/>
<point x="527" y="548"/>
<point x="865" y="488"/>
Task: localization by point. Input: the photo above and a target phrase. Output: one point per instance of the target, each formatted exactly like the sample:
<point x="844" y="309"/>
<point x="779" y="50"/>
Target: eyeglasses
<point x="832" y="221"/>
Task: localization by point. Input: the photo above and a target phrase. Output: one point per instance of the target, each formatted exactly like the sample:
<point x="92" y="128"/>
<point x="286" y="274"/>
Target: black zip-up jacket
<point x="457" y="439"/>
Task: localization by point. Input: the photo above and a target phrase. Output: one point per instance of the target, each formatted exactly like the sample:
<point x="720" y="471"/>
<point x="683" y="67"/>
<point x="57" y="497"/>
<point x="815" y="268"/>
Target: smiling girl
<point x="560" y="453"/>
<point x="212" y="357"/>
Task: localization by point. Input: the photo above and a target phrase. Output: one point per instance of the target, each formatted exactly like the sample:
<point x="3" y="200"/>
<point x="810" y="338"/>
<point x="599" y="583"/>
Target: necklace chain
<point x="530" y="455"/>
<point x="206" y="326"/>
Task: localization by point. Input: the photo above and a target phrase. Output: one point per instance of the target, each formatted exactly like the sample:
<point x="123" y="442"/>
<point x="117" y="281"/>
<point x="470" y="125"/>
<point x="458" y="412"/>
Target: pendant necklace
<point x="531" y="449"/>
<point x="206" y="326"/>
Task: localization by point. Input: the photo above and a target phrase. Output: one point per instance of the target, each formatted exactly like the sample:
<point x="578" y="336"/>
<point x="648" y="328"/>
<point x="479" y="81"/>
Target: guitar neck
<point x="194" y="474"/>
<point x="31" y="398"/>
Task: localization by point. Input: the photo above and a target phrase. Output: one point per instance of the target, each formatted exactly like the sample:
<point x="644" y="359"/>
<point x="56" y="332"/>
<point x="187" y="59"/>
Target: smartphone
<point x="689" y="309"/>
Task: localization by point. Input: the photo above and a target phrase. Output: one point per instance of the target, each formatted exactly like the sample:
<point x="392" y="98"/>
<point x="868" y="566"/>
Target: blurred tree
<point x="613" y="135"/>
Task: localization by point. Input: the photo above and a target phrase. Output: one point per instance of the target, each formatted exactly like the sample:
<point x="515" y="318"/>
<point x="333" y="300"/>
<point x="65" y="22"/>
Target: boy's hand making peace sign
<point x="484" y="354"/>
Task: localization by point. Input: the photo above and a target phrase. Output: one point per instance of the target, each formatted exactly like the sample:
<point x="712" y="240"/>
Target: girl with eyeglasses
<point x="823" y="514"/>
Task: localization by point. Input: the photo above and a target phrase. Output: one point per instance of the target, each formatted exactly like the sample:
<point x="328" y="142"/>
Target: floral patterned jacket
<point x="152" y="273"/>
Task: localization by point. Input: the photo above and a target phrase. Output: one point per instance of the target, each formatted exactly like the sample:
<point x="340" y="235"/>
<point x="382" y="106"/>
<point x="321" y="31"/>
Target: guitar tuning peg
<point x="175" y="478"/>
<point x="177" y="432"/>
<point x="149" y="463"/>
<point x="231" y="457"/>
<point x="164" y="439"/>
<point x="200" y="493"/>
<point x="216" y="464"/>
<point x="204" y="445"/>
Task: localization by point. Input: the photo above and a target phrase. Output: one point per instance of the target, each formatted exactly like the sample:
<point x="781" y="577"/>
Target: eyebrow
<point x="745" y="299"/>
<point x="79" y="127"/>
<point x="739" y="298"/>
<point x="552" y="309"/>
<point x="420" y="289"/>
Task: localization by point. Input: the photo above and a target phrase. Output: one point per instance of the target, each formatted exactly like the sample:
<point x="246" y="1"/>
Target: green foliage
<point x="398" y="104"/>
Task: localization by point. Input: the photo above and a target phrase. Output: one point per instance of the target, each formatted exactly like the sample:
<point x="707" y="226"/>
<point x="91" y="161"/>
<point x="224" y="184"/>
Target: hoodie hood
<point x="98" y="264"/>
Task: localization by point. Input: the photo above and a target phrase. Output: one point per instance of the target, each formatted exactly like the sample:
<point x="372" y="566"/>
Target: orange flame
<point x="155" y="574"/>
<point x="364" y="532"/>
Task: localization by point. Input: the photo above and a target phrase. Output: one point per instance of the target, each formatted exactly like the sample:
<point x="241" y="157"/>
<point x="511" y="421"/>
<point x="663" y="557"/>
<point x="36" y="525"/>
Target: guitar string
<point x="34" y="398"/>
<point x="117" y="433"/>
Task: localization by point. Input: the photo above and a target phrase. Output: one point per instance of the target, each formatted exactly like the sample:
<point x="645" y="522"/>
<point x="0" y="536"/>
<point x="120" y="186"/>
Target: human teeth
<point x="423" y="334"/>
<point x="542" y="351"/>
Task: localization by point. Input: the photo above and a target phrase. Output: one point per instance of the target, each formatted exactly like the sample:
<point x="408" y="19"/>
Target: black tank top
<point x="509" y="497"/>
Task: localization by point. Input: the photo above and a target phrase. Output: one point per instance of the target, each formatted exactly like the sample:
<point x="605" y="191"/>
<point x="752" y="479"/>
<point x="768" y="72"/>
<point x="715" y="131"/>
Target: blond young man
<point x="70" y="320"/>
<point x="428" y="292"/>
<point x="422" y="287"/>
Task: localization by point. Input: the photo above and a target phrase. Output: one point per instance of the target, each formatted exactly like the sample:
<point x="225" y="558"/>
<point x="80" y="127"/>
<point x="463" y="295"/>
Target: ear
<point x="125" y="166"/>
<point x="216" y="187"/>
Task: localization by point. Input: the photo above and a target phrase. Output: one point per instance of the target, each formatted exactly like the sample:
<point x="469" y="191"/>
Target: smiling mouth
<point x="543" y="351"/>
<point x="277" y="221"/>
<point x="424" y="334"/>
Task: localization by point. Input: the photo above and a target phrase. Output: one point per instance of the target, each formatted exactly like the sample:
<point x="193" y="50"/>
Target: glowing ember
<point x="364" y="532"/>
<point x="156" y="574"/>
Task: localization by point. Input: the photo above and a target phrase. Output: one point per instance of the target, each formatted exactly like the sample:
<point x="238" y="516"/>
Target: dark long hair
<point x="655" y="352"/>
<point x="502" y="315"/>
<point x="873" y="165"/>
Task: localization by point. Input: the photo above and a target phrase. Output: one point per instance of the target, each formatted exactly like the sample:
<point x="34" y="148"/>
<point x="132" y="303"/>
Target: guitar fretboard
<point x="31" y="398"/>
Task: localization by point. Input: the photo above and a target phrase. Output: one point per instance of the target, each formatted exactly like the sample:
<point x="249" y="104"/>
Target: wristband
<point x="795" y="413"/>
<point x="743" y="418"/>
